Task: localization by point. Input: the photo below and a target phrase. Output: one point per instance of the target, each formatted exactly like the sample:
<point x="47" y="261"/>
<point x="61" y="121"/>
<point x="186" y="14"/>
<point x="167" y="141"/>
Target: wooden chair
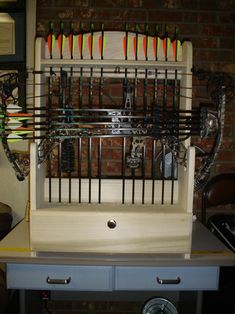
<point x="219" y="190"/>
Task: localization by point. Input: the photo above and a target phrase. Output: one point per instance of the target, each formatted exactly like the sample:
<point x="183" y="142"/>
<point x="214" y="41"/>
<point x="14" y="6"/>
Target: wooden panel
<point x="139" y="229"/>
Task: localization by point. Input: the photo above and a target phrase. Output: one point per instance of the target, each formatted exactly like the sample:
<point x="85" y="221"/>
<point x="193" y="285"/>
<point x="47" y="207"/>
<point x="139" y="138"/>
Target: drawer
<point x="166" y="278"/>
<point x="59" y="277"/>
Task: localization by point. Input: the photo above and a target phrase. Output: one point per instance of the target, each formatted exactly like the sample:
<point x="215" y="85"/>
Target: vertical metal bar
<point x="143" y="174"/>
<point x="49" y="104"/>
<point x="146" y="42"/>
<point x="123" y="168"/>
<point x="101" y="85"/>
<point x="59" y="172"/>
<point x="154" y="104"/>
<point x="89" y="167"/>
<point x="124" y="139"/>
<point x="163" y="172"/>
<point x="173" y="165"/>
<point x="172" y="177"/>
<point x="49" y="123"/>
<point x="133" y="186"/>
<point x="156" y="42"/>
<point x="166" y="38"/>
<point x="79" y="169"/>
<point x="99" y="169"/>
<point x="79" y="141"/>
<point x="153" y="169"/>
<point x="62" y="102"/>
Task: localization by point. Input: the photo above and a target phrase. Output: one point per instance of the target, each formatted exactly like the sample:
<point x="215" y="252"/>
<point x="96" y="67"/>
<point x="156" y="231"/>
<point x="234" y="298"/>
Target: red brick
<point x="128" y="15"/>
<point x="171" y="4"/>
<point x="227" y="18"/>
<point x="191" y="17"/>
<point x="204" y="17"/>
<point x="224" y="155"/>
<point x="218" y="30"/>
<point x="205" y="42"/>
<point x="208" y="5"/>
<point x="108" y="3"/>
<point x="226" y="5"/>
<point x="165" y="16"/>
<point x="152" y="4"/>
<point x="212" y="55"/>
<point x="188" y="30"/>
<point x="225" y="43"/>
<point x="224" y="167"/>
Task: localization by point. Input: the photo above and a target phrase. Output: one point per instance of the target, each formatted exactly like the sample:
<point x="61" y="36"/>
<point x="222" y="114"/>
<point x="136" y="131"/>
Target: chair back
<point x="219" y="190"/>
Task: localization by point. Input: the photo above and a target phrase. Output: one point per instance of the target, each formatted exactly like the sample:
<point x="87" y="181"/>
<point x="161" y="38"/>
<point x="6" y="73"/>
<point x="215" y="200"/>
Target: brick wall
<point x="209" y="25"/>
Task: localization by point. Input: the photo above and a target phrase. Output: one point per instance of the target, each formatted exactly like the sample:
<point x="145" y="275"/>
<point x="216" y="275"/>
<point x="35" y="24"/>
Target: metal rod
<point x="163" y="172"/>
<point x="123" y="168"/>
<point x="99" y="169"/>
<point x="143" y="173"/>
<point x="89" y="167"/>
<point x="154" y="148"/>
<point x="79" y="168"/>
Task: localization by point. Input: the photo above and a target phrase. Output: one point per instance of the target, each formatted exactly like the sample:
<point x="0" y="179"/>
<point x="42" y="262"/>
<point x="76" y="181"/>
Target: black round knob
<point x="111" y="224"/>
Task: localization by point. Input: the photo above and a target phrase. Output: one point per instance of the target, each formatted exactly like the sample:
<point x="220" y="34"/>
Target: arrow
<point x="14" y="138"/>
<point x="51" y="40"/>
<point x="61" y="40"/>
<point x="12" y="108"/>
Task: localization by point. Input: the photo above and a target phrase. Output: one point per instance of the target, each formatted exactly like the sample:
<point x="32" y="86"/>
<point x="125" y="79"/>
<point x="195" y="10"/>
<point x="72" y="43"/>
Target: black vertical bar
<point x="49" y="125"/>
<point x="124" y="139"/>
<point x="143" y="174"/>
<point x="165" y="82"/>
<point x="89" y="168"/>
<point x="166" y="37"/>
<point x="50" y="96"/>
<point x="176" y="119"/>
<point x="71" y="105"/>
<point x="79" y="168"/>
<point x="99" y="169"/>
<point x="156" y="42"/>
<point x="61" y="95"/>
<point x="146" y="48"/>
<point x="81" y="28"/>
<point x="59" y="171"/>
<point x="163" y="172"/>
<point x="123" y="168"/>
<point x="79" y="141"/>
<point x="126" y="48"/>
<point x="172" y="177"/>
<point x="133" y="186"/>
<point x="153" y="169"/>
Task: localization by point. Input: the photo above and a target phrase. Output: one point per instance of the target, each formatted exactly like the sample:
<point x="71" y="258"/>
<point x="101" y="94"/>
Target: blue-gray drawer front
<point x="166" y="278"/>
<point x="84" y="278"/>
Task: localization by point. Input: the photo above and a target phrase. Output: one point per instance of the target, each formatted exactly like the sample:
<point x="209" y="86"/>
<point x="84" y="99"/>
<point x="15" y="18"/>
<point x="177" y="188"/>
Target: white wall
<point x="12" y="192"/>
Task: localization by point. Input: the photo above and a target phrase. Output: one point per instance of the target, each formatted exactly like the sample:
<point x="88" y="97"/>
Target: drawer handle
<point x="54" y="281"/>
<point x="175" y="281"/>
